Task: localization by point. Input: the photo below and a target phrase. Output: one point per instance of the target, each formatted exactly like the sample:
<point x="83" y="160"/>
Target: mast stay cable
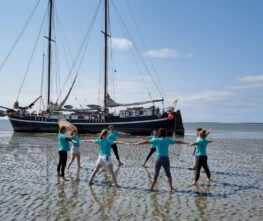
<point x="82" y="49"/>
<point x="19" y="36"/>
<point x="32" y="54"/>
<point x="136" y="49"/>
<point x="146" y="49"/>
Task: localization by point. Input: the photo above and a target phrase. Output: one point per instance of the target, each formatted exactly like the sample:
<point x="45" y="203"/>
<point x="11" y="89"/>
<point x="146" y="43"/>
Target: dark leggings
<point x="62" y="162"/>
<point x="115" y="150"/>
<point x="165" y="162"/>
<point x="153" y="149"/>
<point x="201" y="161"/>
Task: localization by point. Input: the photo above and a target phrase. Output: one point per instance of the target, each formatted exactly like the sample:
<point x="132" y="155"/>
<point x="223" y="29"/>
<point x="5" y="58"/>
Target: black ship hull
<point x="138" y="125"/>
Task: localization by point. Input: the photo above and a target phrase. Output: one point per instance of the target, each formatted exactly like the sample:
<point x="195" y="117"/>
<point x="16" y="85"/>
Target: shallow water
<point x="30" y="189"/>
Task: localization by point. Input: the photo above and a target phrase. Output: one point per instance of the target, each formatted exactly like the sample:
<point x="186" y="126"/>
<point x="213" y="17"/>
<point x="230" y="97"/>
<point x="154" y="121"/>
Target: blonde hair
<point x="202" y="134"/>
<point x="103" y="133"/>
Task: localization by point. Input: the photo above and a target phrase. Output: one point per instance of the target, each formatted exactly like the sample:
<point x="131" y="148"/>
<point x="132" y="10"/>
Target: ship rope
<point x="146" y="49"/>
<point x="82" y="50"/>
<point x="19" y="36"/>
<point x="41" y="103"/>
<point x="125" y="29"/>
<point x="32" y="54"/>
<point x="66" y="49"/>
<point x="126" y="32"/>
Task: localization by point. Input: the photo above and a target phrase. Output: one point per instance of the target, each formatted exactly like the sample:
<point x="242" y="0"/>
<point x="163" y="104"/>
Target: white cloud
<point x="207" y="96"/>
<point x="162" y="53"/>
<point x="247" y="86"/>
<point x="248" y="82"/>
<point x="251" y="79"/>
<point x="189" y="55"/>
<point x="121" y="43"/>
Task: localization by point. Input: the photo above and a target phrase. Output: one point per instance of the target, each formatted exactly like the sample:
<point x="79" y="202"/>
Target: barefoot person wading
<point x="201" y="156"/>
<point x="75" y="152"/>
<point x="162" y="155"/>
<point x="63" y="147"/>
<point x="112" y="134"/>
<point x="104" y="155"/>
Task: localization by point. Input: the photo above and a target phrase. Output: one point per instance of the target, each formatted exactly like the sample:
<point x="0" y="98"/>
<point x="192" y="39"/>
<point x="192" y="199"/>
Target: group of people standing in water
<point x="107" y="140"/>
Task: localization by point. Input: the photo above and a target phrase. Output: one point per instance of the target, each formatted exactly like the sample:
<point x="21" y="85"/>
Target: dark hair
<point x="199" y="129"/>
<point x="202" y="134"/>
<point x="110" y="126"/>
<point x="62" y="130"/>
<point x="162" y="132"/>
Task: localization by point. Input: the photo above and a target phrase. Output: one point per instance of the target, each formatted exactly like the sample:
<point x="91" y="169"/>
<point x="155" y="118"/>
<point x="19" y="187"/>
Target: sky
<point x="207" y="54"/>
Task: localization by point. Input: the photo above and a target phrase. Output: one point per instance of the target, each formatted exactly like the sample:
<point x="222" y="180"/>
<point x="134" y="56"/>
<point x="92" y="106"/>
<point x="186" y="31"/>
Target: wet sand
<point x="30" y="189"/>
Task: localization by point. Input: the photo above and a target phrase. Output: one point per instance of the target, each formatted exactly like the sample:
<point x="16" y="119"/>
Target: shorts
<point x="104" y="160"/>
<point x="75" y="150"/>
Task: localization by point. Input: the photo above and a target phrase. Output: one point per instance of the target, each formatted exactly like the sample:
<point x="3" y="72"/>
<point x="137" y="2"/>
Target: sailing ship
<point x="135" y="119"/>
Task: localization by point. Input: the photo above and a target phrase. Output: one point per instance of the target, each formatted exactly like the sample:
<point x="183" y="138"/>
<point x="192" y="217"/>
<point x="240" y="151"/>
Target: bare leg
<point x="149" y="155"/>
<point x="78" y="160"/>
<point x="110" y="167"/>
<point x="170" y="181"/>
<point x="94" y="173"/>
<point x="153" y="184"/>
<point x="71" y="160"/>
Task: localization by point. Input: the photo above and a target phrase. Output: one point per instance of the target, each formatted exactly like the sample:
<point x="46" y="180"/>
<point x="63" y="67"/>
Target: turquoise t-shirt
<point x="200" y="149"/>
<point x="162" y="145"/>
<point x="63" y="145"/>
<point x="199" y="138"/>
<point x="75" y="138"/>
<point x="105" y="145"/>
<point x="151" y="138"/>
<point x="112" y="135"/>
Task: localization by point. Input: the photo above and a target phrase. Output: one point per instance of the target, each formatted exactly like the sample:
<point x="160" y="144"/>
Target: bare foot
<point x="151" y="189"/>
<point x="120" y="163"/>
<point x="64" y="179"/>
<point x="79" y="167"/>
<point x="90" y="183"/>
<point x="208" y="180"/>
<point x="193" y="183"/>
<point x="59" y="174"/>
<point x="172" y="189"/>
<point x="117" y="186"/>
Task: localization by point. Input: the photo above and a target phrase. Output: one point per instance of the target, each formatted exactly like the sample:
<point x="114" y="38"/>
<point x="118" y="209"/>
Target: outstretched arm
<point x="181" y="142"/>
<point x="120" y="142"/>
<point x="210" y="141"/>
<point x="89" y="141"/>
<point x="70" y="140"/>
<point x="192" y="144"/>
<point x="143" y="142"/>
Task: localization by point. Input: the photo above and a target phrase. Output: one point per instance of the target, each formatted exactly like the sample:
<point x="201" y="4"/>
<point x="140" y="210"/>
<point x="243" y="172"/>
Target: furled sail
<point x="112" y="103"/>
<point x="58" y="107"/>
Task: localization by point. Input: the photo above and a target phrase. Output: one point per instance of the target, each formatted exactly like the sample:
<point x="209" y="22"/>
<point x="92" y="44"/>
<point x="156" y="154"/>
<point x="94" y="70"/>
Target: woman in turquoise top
<point x="112" y="135"/>
<point x="153" y="148"/>
<point x="162" y="155"/>
<point x="75" y="152"/>
<point x="63" y="147"/>
<point x="201" y="156"/>
<point x="104" y="155"/>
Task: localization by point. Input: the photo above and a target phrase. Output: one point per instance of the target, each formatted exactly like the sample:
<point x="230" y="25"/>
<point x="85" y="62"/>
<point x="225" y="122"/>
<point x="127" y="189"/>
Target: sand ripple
<point x="30" y="189"/>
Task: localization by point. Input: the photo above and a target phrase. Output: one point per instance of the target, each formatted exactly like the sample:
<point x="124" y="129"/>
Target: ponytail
<point x="103" y="133"/>
<point x="202" y="134"/>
